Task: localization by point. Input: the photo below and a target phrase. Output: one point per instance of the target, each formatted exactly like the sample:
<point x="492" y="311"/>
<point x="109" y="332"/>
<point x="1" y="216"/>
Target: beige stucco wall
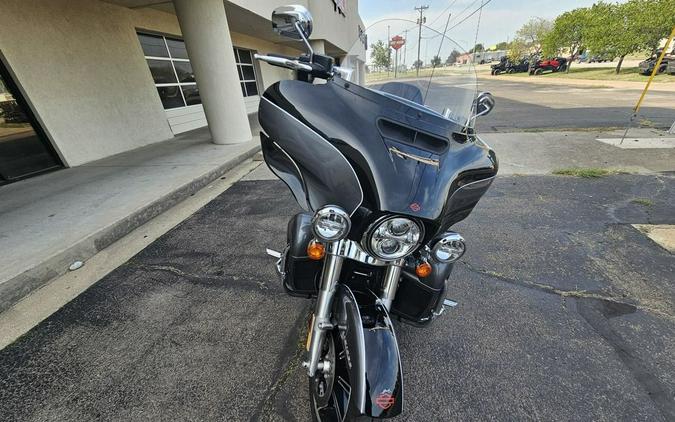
<point x="329" y="25"/>
<point x="81" y="66"/>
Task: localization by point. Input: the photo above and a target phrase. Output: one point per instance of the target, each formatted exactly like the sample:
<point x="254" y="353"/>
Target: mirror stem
<point x="304" y="38"/>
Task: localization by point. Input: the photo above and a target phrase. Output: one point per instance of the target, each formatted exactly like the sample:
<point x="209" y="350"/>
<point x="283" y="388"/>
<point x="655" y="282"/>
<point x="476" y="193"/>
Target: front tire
<point x="330" y="392"/>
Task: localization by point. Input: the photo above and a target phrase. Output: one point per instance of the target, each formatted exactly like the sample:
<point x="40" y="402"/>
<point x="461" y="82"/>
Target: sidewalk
<point x="49" y="222"/>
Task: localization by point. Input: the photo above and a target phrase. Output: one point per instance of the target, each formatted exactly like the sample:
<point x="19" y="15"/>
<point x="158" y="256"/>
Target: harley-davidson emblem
<point x="415" y="207"/>
<point x="385" y="400"/>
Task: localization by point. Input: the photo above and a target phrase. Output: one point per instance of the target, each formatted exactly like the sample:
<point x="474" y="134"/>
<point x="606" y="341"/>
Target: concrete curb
<point x="14" y="289"/>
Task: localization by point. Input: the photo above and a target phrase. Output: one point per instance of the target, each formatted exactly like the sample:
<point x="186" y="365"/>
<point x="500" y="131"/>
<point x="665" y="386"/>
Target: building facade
<point x="81" y="80"/>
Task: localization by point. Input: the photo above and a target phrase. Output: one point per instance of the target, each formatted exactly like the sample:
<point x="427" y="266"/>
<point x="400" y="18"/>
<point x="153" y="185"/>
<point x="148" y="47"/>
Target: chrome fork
<point x="390" y="283"/>
<point x="322" y="312"/>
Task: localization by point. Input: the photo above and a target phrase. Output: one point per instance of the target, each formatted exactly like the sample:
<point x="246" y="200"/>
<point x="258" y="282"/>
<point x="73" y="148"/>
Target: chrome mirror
<point x="485" y="102"/>
<point x="293" y="22"/>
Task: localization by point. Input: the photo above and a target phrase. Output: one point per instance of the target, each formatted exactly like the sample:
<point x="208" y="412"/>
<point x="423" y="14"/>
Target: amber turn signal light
<point x="315" y="250"/>
<point x="423" y="269"/>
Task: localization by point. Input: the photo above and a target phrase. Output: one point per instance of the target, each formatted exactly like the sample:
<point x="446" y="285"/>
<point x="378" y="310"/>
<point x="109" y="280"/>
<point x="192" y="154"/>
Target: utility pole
<point x="420" y="21"/>
<point x="405" y="47"/>
<point x="388" y="51"/>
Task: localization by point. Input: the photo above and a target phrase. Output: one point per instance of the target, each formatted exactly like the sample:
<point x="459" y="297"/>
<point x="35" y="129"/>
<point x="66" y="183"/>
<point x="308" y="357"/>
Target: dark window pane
<point x="243" y="89"/>
<point x="170" y="96"/>
<point x="184" y="71"/>
<point x="162" y="72"/>
<point x="191" y="94"/>
<point x="236" y="55"/>
<point x="248" y="73"/>
<point x="241" y="76"/>
<point x="251" y="88"/>
<point x="177" y="48"/>
<point x="245" y="56"/>
<point x="153" y="45"/>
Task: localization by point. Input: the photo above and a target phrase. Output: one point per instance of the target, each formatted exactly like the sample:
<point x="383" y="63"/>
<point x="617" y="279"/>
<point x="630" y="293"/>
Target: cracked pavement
<point x="565" y="312"/>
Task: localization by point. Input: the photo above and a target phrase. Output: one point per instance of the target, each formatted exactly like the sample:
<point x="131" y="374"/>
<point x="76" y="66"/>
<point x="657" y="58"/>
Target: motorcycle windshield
<point x="415" y="64"/>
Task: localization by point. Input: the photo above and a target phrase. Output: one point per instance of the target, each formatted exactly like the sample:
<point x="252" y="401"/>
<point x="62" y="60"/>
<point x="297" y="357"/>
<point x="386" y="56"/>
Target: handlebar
<point x="284" y="62"/>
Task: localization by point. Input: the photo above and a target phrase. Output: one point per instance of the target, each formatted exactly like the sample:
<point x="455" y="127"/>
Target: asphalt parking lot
<point x="524" y="106"/>
<point x="566" y="312"/>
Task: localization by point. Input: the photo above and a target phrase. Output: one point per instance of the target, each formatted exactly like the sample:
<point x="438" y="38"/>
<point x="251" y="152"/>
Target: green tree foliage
<point x="380" y="55"/>
<point x="518" y="49"/>
<point x="533" y="33"/>
<point x="568" y="33"/>
<point x="417" y="64"/>
<point x="622" y="29"/>
<point x="476" y="48"/>
<point x="502" y="46"/>
<point x="436" y="61"/>
<point x="452" y="58"/>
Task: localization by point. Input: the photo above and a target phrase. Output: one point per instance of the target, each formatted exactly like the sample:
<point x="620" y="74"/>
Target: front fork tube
<point x="390" y="283"/>
<point x="322" y="313"/>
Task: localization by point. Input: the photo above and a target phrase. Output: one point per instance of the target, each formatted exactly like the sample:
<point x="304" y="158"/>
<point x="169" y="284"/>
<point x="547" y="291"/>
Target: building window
<point x="247" y="72"/>
<point x="171" y="70"/>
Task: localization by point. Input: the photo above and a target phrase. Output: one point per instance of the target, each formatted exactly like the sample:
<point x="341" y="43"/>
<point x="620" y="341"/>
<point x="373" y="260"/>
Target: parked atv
<point x="555" y="64"/>
<point x="523" y="65"/>
<point x="500" y="67"/>
<point x="647" y="66"/>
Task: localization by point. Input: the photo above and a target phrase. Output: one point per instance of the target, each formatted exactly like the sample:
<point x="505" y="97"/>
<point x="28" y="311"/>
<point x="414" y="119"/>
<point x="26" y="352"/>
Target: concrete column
<point x="209" y="46"/>
<point x="318" y="46"/>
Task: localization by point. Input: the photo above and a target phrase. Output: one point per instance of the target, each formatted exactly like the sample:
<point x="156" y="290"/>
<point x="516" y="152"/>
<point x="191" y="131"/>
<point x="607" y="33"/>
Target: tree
<point x="517" y="50"/>
<point x="622" y="29"/>
<point x="436" y="61"/>
<point x="380" y="55"/>
<point x="502" y="46"/>
<point x="452" y="58"/>
<point x="568" y="32"/>
<point x="534" y="31"/>
<point x="476" y="48"/>
<point x="417" y="64"/>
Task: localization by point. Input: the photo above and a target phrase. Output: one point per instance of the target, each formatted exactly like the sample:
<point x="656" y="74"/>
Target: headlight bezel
<point x="329" y="211"/>
<point x="411" y="245"/>
<point x="451" y="240"/>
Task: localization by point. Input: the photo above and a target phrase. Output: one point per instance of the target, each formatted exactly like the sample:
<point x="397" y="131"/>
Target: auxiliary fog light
<point x="331" y="224"/>
<point x="449" y="249"/>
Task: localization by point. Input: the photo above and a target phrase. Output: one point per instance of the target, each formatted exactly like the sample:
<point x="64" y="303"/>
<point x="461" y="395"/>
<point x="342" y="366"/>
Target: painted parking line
<point x="639" y="143"/>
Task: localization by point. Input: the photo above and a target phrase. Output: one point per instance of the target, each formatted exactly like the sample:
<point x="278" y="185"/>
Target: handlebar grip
<point x="284" y="62"/>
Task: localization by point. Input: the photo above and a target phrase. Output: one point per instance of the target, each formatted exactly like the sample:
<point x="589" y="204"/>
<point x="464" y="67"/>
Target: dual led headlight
<point x="389" y="238"/>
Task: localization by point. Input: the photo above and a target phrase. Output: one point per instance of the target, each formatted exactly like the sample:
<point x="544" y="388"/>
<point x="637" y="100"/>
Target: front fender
<point x="371" y="350"/>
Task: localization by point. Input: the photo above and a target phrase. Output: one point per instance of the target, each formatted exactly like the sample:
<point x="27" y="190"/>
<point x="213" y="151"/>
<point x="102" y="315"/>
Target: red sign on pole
<point x="397" y="42"/>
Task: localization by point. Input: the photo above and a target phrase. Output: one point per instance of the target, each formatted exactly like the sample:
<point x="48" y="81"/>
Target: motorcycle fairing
<point x="371" y="350"/>
<point x="378" y="134"/>
<point x="319" y="175"/>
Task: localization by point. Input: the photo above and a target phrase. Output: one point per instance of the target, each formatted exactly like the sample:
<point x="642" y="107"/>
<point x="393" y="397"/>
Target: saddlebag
<point x="301" y="275"/>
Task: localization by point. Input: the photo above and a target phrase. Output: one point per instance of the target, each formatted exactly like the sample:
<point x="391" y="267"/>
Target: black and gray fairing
<point x="342" y="144"/>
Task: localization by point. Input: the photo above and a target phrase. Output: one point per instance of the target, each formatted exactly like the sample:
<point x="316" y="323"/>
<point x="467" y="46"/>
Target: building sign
<point x="396" y="42"/>
<point x="340" y="6"/>
<point x="363" y="37"/>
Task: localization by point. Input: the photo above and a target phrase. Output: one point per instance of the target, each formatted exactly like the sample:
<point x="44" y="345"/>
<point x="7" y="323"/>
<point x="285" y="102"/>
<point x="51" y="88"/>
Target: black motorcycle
<point x="383" y="170"/>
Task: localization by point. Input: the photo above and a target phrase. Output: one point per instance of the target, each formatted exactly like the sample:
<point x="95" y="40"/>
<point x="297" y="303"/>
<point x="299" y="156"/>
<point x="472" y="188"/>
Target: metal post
<point x="672" y="129"/>
<point x="388" y="51"/>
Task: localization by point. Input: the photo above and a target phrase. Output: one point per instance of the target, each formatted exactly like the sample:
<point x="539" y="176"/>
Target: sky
<point x="499" y="21"/>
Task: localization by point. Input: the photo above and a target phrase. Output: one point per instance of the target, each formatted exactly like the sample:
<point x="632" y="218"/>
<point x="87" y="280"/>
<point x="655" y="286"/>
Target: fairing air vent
<point x="403" y="134"/>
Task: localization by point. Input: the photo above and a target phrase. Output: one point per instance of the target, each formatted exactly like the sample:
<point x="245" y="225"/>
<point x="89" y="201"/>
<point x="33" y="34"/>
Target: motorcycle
<point x="382" y="171"/>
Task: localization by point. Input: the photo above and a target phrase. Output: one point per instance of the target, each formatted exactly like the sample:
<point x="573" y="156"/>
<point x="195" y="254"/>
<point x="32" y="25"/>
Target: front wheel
<point x="330" y="390"/>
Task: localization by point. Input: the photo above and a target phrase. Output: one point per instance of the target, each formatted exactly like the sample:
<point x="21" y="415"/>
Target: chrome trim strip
<point x="332" y="146"/>
<point x="352" y="250"/>
<point x="404" y="155"/>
